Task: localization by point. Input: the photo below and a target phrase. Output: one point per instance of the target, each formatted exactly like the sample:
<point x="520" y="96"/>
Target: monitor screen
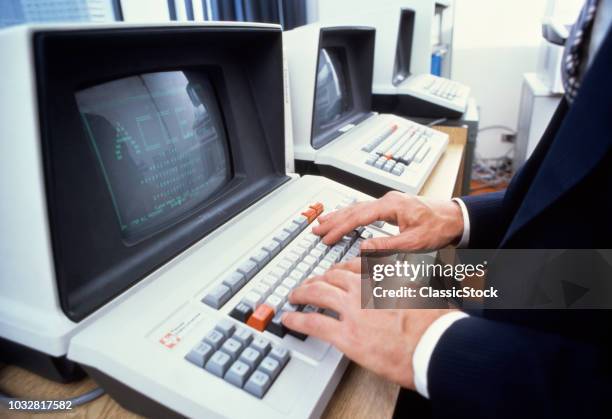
<point x="403" y="47"/>
<point x="332" y="94"/>
<point x="161" y="146"/>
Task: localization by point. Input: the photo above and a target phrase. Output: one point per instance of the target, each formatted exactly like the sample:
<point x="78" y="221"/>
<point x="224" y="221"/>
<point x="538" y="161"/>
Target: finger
<point x="321" y="294"/>
<point x="313" y="324"/>
<point x="359" y="215"/>
<point x="403" y="241"/>
<point x="342" y="279"/>
<point x="327" y="221"/>
<point x="312" y="279"/>
<point x="353" y="265"/>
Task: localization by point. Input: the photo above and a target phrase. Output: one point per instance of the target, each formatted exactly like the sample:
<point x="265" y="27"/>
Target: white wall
<point x="494" y="43"/>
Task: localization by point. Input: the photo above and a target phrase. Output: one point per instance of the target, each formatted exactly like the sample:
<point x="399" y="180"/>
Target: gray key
<point x="226" y="327"/>
<point x="389" y="165"/>
<point x="238" y="373"/>
<point x="243" y="336"/>
<point x="261" y="258"/>
<point x="290" y="307"/>
<point x="235" y="281"/>
<point x="258" y="384"/>
<point x="273" y="247"/>
<point x="309" y="308"/>
<point x="248" y="269"/>
<point x="260" y="344"/>
<point x="250" y="357"/>
<point x="378" y="224"/>
<point x="280" y="354"/>
<point x="283" y="238"/>
<point x="200" y="354"/>
<point x="398" y="169"/>
<point x="293" y="229"/>
<point x="218" y="363"/>
<point x="232" y="347"/>
<point x="218" y="296"/>
<point x="380" y="163"/>
<point x="301" y="220"/>
<point x="372" y="159"/>
<point x="214" y="338"/>
<point x="270" y="366"/>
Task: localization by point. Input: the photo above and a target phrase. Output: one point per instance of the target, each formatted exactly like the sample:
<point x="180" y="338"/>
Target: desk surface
<point x="360" y="392"/>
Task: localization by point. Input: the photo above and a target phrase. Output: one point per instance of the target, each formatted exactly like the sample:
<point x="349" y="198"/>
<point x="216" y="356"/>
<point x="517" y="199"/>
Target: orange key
<point x="261" y="317"/>
<point x="311" y="214"/>
<point x="318" y="207"/>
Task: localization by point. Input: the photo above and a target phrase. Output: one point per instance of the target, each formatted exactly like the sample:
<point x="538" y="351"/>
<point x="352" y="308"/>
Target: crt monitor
<point x="343" y="80"/>
<point x="332" y="96"/>
<point x="403" y="49"/>
<point x="151" y="138"/>
<point x="159" y="141"/>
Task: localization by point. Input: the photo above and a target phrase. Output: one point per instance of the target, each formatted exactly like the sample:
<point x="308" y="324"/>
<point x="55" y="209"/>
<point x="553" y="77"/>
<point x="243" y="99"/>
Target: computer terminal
<point x="154" y="231"/>
<point x="334" y="128"/>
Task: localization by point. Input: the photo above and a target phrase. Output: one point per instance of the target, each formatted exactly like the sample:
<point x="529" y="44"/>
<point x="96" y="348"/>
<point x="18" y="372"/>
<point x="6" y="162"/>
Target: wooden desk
<point x="360" y="394"/>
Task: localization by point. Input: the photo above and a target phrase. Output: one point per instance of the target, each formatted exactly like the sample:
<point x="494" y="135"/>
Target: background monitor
<point x="403" y="49"/>
<point x="332" y="95"/>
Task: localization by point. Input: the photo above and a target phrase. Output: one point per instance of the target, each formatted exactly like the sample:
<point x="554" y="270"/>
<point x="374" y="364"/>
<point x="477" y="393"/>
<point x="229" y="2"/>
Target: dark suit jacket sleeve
<point x="484" y="368"/>
<point x="488" y="221"/>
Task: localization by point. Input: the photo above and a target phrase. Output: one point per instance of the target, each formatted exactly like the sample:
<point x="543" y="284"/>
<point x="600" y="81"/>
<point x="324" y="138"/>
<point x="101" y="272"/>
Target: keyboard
<point x="443" y="88"/>
<point x="202" y="335"/>
<point x="389" y="150"/>
<point x="434" y="97"/>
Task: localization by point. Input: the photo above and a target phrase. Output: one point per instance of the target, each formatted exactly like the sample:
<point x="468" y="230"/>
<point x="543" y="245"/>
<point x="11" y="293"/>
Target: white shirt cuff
<point x="465" y="237"/>
<point x="425" y="348"/>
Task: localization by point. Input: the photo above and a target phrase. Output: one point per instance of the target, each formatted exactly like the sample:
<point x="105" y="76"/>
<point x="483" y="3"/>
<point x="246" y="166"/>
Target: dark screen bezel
<point x="403" y="46"/>
<point x="358" y="46"/>
<point x="92" y="264"/>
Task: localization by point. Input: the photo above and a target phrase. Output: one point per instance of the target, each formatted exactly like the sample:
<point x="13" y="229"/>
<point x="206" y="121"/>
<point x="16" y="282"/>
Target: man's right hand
<point x="423" y="223"/>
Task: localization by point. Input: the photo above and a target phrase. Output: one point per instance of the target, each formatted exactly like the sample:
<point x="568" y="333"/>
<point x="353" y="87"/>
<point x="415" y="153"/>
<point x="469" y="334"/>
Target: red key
<point x="311" y="214"/>
<point x="261" y="317"/>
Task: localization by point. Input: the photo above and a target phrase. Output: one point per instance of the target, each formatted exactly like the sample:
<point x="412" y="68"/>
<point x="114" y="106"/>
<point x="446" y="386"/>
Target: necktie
<point x="574" y="55"/>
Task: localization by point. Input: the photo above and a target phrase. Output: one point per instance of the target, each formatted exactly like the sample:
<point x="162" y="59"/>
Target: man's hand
<point x="380" y="340"/>
<point x="423" y="223"/>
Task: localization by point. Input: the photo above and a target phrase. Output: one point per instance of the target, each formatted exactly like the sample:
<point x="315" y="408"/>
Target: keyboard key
<point x="235" y="281"/>
<point x="275" y="326"/>
<point x="301" y="221"/>
<point x="278" y="272"/>
<point x="389" y="165"/>
<point x="260" y="317"/>
<point x="218" y="363"/>
<point x="251" y="357"/>
<point x="422" y="153"/>
<point x="282" y="292"/>
<point x="248" y="269"/>
<point x="243" y="336"/>
<point x="252" y="299"/>
<point x="263" y="289"/>
<point x="286" y="264"/>
<point x="293" y="259"/>
<point x="238" y="374"/>
<point x="218" y="296"/>
<point x="372" y="159"/>
<point x="283" y="238"/>
<point x="214" y="338"/>
<point x="289" y="307"/>
<point x="258" y="384"/>
<point x="318" y="271"/>
<point x="380" y="162"/>
<point x="398" y="169"/>
<point x="274" y="301"/>
<point x="260" y="344"/>
<point x="317" y="254"/>
<point x="297" y="276"/>
<point x="309" y="308"/>
<point x="270" y="366"/>
<point x="312" y="238"/>
<point x="310" y="260"/>
<point x="293" y="229"/>
<point x="311" y="214"/>
<point x="241" y="312"/>
<point x="322" y="247"/>
<point x="270" y="280"/>
<point x="200" y="354"/>
<point x="273" y="248"/>
<point x="303" y="267"/>
<point x="280" y="354"/>
<point x="290" y="283"/>
<point x="261" y="258"/>
<point x="226" y="327"/>
<point x="232" y="347"/>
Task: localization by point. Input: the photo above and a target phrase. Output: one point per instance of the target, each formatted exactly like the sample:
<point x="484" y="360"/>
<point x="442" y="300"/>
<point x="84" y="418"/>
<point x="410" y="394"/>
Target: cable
<point x="501" y="127"/>
<point x="436" y="122"/>
<point x="79" y="400"/>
